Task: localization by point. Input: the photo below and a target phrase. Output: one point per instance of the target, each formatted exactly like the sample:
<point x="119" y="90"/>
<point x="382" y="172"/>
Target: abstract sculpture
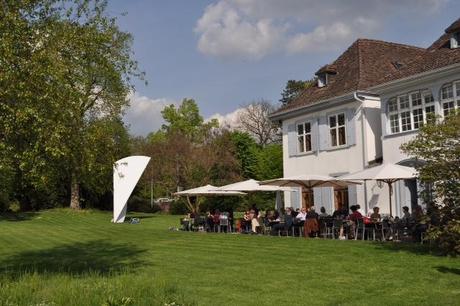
<point x="126" y="174"/>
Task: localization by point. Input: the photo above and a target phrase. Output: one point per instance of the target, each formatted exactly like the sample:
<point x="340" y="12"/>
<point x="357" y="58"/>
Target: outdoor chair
<point x="199" y="223"/>
<point x="386" y="230"/>
<point x="337" y="224"/>
<point x="325" y="227"/>
<point x="286" y="231"/>
<point x="370" y="229"/>
<point x="360" y="227"/>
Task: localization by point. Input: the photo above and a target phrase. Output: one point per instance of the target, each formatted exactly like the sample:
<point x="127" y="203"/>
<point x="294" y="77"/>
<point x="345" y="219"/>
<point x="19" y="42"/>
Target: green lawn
<point x="61" y="257"/>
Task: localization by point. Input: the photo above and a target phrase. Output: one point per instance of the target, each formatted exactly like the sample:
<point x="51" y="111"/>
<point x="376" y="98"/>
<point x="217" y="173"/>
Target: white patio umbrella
<point x="207" y="190"/>
<point x="251" y="186"/>
<point x="387" y="173"/>
<point x="308" y="181"/>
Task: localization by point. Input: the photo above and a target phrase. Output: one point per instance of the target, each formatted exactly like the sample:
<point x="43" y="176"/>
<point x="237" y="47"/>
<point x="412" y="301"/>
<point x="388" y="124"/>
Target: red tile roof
<point x="367" y="63"/>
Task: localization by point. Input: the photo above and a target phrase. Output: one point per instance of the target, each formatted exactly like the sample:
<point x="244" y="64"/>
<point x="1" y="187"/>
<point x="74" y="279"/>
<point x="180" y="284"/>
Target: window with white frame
<point x="337" y="130"/>
<point x="410" y="111"/>
<point x="304" y="137"/>
<point x="450" y="98"/>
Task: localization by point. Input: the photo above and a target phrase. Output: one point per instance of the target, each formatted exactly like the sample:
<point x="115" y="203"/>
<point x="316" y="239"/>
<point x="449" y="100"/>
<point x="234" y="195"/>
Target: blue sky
<point x="227" y="53"/>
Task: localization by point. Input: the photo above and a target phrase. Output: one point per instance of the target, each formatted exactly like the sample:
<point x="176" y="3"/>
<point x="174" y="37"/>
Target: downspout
<point x="364" y="144"/>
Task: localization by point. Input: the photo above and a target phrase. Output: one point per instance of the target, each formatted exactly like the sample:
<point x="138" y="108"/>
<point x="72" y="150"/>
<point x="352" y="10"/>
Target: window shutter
<point x="323" y="134"/>
<point x="351" y="131"/>
<point x="292" y="140"/>
<point x="352" y="196"/>
<point x="295" y="198"/>
<point x="328" y="199"/>
<point x="314" y="135"/>
<point x="317" y="197"/>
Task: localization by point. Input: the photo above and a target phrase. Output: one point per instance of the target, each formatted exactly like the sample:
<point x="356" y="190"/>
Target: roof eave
<point x="289" y="113"/>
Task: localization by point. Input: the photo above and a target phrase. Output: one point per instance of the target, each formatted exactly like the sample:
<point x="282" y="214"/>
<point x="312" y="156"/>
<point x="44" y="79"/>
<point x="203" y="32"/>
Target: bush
<point x="447" y="238"/>
<point x="178" y="207"/>
<point x="139" y="204"/>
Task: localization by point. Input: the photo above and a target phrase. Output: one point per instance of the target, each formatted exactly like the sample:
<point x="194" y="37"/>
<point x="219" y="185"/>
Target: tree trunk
<point x="74" y="193"/>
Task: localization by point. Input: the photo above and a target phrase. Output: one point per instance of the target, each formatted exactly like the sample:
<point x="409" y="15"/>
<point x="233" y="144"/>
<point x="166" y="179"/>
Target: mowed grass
<point x="60" y="257"/>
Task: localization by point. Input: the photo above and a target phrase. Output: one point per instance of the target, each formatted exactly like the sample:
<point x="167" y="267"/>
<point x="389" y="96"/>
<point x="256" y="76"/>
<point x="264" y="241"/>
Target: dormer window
<point x="324" y="74"/>
<point x="455" y="40"/>
<point x="322" y="79"/>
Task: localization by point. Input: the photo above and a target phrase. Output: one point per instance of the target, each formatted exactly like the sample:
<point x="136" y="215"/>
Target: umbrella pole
<point x="390" y="191"/>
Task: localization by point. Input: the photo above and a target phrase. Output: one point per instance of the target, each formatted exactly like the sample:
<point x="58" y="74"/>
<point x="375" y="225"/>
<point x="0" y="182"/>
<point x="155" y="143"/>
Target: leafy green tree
<point x="438" y="146"/>
<point x="245" y="152"/>
<point x="293" y="89"/>
<point x="69" y="67"/>
<point x="269" y="162"/>
<point x="186" y="120"/>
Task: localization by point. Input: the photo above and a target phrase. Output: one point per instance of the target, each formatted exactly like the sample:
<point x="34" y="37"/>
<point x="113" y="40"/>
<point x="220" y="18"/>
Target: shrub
<point x="178" y="207"/>
<point x="140" y="204"/>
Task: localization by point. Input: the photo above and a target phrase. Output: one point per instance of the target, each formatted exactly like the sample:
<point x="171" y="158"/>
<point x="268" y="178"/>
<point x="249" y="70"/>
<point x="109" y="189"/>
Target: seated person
<point x="355" y="214"/>
<point x="323" y="213"/>
<point x="353" y="218"/>
<point x="406" y="218"/>
<point x="300" y="217"/>
<point x="254" y="215"/>
<point x="339" y="213"/>
<point x="311" y="223"/>
<point x="360" y="210"/>
<point x="246" y="222"/>
<point x="421" y="221"/>
<point x="287" y="225"/>
<point x="375" y="216"/>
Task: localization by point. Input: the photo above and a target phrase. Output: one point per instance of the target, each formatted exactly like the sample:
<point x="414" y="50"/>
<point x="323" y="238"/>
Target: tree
<point x="69" y="68"/>
<point x="293" y="89"/>
<point x="245" y="152"/>
<point x="186" y="120"/>
<point x="187" y="152"/>
<point x="438" y="146"/>
<point x="254" y="120"/>
<point x="269" y="162"/>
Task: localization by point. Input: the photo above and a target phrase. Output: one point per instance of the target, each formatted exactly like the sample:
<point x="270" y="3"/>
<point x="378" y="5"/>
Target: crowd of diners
<point x="343" y="224"/>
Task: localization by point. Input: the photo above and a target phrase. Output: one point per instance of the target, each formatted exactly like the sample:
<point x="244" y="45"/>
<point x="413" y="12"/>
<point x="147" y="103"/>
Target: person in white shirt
<point x="301" y="215"/>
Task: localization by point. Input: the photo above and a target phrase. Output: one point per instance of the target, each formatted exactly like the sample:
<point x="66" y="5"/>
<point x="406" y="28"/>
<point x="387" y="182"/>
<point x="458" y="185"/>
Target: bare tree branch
<point x="254" y="120"/>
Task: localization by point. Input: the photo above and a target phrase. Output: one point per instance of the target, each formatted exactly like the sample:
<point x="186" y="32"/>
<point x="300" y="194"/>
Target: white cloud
<point x="225" y="32"/>
<point x="144" y="114"/>
<point x="252" y="29"/>
<point x="327" y="37"/>
<point x="230" y="120"/>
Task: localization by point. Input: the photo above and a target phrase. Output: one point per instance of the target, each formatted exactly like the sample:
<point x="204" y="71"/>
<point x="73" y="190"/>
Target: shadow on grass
<point x="410" y="247"/>
<point x="443" y="269"/>
<point x="129" y="216"/>
<point x="17" y="216"/>
<point x="98" y="257"/>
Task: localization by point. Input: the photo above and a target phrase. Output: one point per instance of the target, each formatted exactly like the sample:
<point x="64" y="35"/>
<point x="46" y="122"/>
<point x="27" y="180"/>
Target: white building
<point x="365" y="104"/>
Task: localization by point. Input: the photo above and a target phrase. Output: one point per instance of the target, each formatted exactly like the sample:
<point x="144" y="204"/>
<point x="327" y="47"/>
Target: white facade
<point x="362" y="145"/>
<point x="370" y="136"/>
<point x="430" y="83"/>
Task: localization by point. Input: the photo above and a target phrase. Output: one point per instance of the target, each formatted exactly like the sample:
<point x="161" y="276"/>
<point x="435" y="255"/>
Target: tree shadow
<point x="409" y="247"/>
<point x="15" y="217"/>
<point x="98" y="257"/>
<point x="443" y="269"/>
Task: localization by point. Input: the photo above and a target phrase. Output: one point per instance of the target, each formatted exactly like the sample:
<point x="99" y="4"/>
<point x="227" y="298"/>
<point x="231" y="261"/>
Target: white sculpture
<point x="126" y="173"/>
